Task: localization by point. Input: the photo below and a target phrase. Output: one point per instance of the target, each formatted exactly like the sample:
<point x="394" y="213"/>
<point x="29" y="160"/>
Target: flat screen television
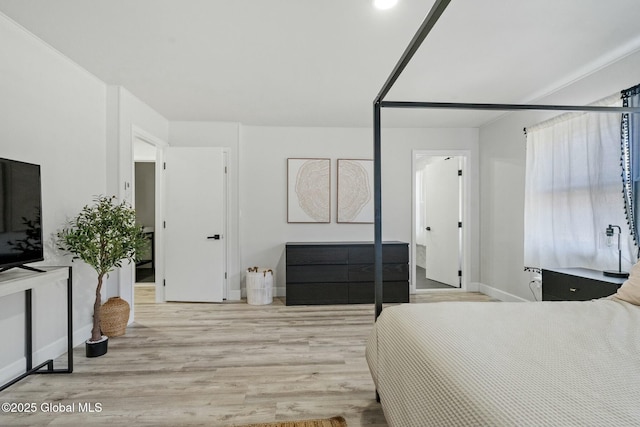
<point x="20" y="214"/>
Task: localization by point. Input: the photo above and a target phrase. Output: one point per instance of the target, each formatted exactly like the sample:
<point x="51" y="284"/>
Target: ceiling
<point x="321" y="63"/>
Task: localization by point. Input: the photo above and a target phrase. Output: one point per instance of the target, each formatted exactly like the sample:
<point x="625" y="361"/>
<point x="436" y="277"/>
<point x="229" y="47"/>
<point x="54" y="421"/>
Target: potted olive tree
<point x="103" y="235"/>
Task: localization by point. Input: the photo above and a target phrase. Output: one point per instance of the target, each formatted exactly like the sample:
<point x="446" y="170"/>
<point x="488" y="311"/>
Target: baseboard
<point x="234" y="295"/>
<point x="80" y="335"/>
<point x="473" y="287"/>
<point x="48" y="352"/>
<point x="277" y="291"/>
<point x="15" y="369"/>
<point x="498" y="294"/>
<point x="51" y="351"/>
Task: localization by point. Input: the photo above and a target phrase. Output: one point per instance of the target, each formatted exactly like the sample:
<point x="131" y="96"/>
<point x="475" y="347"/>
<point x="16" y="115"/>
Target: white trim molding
<point x="496" y="293"/>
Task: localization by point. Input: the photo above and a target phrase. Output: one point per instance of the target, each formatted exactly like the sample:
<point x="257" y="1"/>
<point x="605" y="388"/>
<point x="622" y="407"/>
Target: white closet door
<point x="195" y="223"/>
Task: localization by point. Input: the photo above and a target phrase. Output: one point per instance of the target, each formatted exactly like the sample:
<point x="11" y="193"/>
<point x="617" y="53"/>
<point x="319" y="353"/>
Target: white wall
<point x="263" y="186"/>
<point x="51" y="113"/>
<point x="502" y="165"/>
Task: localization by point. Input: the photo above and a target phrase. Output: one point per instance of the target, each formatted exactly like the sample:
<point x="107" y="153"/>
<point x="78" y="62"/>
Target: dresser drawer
<point x="393" y="254"/>
<point x="317" y="293"/>
<point x="565" y="287"/>
<point x="364" y="293"/>
<point x="390" y="272"/>
<point x="317" y="273"/>
<point x="306" y="255"/>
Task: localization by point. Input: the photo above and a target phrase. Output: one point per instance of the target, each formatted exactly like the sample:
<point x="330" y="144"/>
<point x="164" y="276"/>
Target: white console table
<point x="18" y="280"/>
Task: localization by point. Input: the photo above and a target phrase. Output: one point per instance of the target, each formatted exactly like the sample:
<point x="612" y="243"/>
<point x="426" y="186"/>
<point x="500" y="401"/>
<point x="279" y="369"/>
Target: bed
<point x="508" y="364"/>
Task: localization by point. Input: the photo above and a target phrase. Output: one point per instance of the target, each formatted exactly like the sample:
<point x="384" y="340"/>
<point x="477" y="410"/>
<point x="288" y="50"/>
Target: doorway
<point x="440" y="210"/>
<point x="144" y="202"/>
<point x="148" y="150"/>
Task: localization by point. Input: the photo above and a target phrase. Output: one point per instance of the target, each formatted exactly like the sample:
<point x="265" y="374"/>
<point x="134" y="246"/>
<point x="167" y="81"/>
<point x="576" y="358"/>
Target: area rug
<point x="325" y="422"/>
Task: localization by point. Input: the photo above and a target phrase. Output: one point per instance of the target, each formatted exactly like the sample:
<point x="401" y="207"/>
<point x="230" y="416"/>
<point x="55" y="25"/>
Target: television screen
<point x="20" y="214"/>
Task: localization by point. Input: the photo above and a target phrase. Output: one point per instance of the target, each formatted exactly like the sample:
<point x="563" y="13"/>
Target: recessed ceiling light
<point x="384" y="4"/>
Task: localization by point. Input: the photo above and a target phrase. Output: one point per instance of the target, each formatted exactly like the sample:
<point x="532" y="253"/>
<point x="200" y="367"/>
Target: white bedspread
<point x="508" y="364"/>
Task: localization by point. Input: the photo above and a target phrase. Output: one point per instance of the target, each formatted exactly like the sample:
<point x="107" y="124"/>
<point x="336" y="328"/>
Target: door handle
<point x="428" y="228"/>
<point x="214" y="237"/>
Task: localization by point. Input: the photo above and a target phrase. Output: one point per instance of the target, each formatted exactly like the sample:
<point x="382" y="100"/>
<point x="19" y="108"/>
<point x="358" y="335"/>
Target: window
<point x="573" y="191"/>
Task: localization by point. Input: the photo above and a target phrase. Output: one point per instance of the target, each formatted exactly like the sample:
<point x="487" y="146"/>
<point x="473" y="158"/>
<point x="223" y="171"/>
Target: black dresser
<point x="343" y="272"/>
<point x="577" y="284"/>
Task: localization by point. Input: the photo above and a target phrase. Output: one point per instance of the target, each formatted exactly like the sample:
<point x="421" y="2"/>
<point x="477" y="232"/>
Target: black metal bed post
<point x="377" y="207"/>
<point x="434" y="14"/>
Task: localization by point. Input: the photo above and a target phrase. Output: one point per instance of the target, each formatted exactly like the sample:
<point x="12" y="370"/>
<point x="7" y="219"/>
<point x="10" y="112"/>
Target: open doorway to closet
<point x="144" y="155"/>
<point x="439" y="220"/>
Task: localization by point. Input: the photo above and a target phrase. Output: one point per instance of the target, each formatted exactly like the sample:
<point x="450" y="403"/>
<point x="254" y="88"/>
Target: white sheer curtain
<point x="573" y="191"/>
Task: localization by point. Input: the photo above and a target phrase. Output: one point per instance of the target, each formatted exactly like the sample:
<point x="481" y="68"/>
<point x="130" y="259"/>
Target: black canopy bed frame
<point x="507" y="363"/>
<point x="379" y="103"/>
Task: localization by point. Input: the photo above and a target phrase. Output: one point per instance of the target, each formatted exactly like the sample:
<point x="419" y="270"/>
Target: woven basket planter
<point x="114" y="316"/>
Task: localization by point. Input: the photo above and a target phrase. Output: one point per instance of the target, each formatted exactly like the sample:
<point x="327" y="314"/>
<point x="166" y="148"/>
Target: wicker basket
<point x="114" y="316"/>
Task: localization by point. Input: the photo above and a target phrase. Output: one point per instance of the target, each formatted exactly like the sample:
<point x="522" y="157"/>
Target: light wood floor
<point x="219" y="365"/>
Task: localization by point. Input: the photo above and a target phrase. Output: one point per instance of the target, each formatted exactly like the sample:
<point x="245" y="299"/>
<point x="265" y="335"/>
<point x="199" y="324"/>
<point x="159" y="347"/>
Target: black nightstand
<point x="577" y="284"/>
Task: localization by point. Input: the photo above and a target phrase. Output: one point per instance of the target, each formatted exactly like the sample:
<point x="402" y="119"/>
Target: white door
<point x="195" y="224"/>
<point x="442" y="215"/>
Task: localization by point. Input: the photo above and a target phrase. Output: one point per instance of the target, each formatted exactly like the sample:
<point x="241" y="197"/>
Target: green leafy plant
<point x="103" y="235"/>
